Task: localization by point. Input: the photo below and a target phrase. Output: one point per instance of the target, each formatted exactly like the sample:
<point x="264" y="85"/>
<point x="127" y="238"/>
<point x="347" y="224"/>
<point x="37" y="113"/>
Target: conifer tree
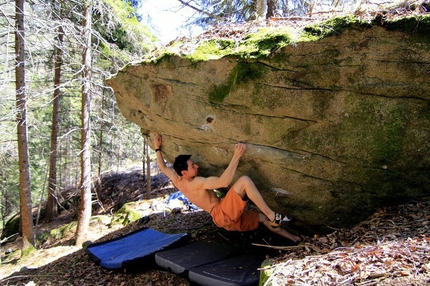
<point x="21" y="116"/>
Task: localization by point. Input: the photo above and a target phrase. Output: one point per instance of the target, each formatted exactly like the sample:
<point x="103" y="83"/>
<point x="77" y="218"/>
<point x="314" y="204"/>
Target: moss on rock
<point x="125" y="215"/>
<point x="241" y="74"/>
<point x="59" y="233"/>
<point x="331" y="27"/>
<point x="418" y="24"/>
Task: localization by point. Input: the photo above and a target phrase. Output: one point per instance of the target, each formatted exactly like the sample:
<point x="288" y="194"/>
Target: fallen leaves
<point x="393" y="243"/>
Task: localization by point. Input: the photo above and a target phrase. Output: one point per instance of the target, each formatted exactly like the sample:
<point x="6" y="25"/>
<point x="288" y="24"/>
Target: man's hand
<point x="158" y="140"/>
<point x="239" y="149"/>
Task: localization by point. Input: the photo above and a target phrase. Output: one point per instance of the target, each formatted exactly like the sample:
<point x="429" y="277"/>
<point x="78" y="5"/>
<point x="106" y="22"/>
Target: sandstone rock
<point x="335" y="128"/>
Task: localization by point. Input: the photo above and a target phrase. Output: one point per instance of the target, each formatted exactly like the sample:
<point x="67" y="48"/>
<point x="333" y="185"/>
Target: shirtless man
<point x="227" y="212"/>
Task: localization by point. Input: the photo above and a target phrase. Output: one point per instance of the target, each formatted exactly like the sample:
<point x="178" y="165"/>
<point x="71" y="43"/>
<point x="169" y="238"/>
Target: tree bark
<point x="21" y="117"/>
<point x="261" y="8"/>
<point x="52" y="202"/>
<point x="147" y="159"/>
<point x="270" y="8"/>
<point x="84" y="214"/>
<point x="102" y="120"/>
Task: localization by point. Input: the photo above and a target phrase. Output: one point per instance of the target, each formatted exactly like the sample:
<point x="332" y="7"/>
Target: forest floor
<point x="392" y="247"/>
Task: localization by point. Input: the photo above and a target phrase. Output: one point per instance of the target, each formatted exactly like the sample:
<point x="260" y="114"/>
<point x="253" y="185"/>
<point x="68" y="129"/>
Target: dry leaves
<point x="394" y="243"/>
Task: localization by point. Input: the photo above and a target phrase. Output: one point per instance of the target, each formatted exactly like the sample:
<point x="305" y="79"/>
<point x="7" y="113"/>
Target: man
<point x="227" y="212"/>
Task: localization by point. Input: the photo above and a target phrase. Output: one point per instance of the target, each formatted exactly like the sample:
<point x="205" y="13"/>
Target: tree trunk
<point x="84" y="214"/>
<point x="270" y="8"/>
<point x="148" y="169"/>
<point x="261" y="8"/>
<point x="102" y="120"/>
<point x="52" y="203"/>
<point x="21" y="117"/>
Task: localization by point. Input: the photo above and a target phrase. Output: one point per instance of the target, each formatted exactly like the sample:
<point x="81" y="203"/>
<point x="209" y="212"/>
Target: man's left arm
<point x="227" y="176"/>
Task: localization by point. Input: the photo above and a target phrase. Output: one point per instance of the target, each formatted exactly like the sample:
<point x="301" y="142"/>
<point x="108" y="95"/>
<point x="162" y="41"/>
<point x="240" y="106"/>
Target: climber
<point x="228" y="212"/>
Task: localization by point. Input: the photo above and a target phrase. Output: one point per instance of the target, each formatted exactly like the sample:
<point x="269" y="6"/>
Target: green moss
<point x="373" y="129"/>
<point x="59" y="233"/>
<point x="264" y="42"/>
<point x="12" y="225"/>
<point x="41" y="237"/>
<point x="256" y="45"/>
<point x="125" y="215"/>
<point x="242" y="73"/>
<point x="331" y="27"/>
<point x="220" y="92"/>
<point x="29" y="250"/>
<point x="419" y="24"/>
<point x="389" y="143"/>
<point x="212" y="49"/>
<point x="163" y="57"/>
<point x="267" y="268"/>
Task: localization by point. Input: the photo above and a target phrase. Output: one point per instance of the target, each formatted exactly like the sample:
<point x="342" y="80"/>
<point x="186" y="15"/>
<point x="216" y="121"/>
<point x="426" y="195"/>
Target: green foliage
<point x="227" y="10"/>
<point x="124" y="30"/>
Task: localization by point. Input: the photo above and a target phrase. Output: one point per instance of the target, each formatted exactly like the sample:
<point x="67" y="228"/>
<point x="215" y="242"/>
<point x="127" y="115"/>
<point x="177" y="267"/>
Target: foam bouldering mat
<point x="235" y="270"/>
<point x="211" y="263"/>
<point x="179" y="260"/>
<point x="131" y="250"/>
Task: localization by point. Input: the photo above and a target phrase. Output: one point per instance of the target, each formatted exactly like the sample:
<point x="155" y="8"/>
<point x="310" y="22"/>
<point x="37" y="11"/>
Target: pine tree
<point x="24" y="165"/>
<point x="84" y="215"/>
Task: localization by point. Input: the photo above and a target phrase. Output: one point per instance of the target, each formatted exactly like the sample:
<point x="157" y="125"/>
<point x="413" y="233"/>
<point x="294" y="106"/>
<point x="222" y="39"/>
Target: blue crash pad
<point x="133" y="247"/>
<point x="178" y="196"/>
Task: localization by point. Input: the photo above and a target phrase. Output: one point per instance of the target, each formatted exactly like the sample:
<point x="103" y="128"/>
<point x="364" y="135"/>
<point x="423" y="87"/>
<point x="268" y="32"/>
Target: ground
<point x="390" y="248"/>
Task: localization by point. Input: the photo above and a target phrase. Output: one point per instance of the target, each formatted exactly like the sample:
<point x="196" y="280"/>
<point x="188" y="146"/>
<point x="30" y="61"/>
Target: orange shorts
<point x="229" y="213"/>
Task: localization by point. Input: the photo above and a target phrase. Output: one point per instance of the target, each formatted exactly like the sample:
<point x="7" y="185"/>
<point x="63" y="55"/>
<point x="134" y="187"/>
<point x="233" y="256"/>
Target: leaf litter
<point x="392" y="245"/>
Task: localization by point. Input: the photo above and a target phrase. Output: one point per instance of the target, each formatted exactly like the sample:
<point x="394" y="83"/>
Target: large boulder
<point x="335" y="127"/>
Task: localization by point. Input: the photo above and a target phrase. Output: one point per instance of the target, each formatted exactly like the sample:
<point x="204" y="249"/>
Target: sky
<point x="166" y="18"/>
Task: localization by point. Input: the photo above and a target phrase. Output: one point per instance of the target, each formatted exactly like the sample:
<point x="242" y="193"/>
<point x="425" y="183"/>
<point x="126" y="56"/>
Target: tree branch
<point x="200" y="10"/>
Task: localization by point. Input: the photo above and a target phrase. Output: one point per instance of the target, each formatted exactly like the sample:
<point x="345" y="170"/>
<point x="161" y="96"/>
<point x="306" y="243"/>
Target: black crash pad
<point x="211" y="263"/>
<point x="236" y="270"/>
<point x="179" y="260"/>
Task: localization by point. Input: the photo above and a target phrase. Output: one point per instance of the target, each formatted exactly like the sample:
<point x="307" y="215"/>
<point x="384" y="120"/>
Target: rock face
<point x="335" y="128"/>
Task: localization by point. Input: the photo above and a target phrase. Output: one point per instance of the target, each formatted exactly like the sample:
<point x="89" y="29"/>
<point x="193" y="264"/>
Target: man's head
<point x="181" y="164"/>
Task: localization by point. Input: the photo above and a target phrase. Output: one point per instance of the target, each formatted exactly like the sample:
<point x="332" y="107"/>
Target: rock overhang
<point x="335" y="128"/>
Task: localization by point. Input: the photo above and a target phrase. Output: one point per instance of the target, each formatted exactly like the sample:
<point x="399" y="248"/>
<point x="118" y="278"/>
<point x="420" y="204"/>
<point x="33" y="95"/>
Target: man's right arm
<point x="169" y="172"/>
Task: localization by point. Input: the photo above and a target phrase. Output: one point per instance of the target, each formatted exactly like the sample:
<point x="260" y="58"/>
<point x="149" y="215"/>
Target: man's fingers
<point x="241" y="147"/>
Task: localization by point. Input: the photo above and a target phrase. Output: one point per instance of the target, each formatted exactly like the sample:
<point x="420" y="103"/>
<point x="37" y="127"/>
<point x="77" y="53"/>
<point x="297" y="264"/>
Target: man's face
<point x="192" y="168"/>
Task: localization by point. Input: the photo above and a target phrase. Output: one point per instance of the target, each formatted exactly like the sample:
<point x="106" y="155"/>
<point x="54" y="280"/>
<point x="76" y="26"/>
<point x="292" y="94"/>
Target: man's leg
<point x="246" y="187"/>
<point x="278" y="230"/>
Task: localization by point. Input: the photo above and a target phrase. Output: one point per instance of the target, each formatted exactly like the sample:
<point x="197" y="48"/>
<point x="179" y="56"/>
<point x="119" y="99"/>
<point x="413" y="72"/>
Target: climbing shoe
<point x="281" y="220"/>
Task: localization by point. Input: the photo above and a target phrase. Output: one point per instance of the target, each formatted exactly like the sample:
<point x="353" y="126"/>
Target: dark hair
<point x="181" y="164"/>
